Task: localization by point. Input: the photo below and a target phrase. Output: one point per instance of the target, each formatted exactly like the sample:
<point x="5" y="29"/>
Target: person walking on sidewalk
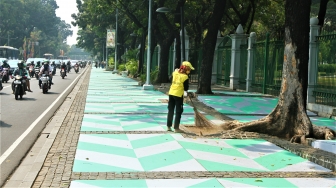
<point x="178" y="89"/>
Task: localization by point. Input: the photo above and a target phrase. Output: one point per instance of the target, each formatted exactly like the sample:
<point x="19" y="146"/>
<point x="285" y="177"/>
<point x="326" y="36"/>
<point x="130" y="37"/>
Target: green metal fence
<point x="154" y="61"/>
<point x="325" y="89"/>
<point x="268" y="63"/>
<point x="224" y="62"/>
<point x="243" y="67"/>
<point x="195" y="58"/>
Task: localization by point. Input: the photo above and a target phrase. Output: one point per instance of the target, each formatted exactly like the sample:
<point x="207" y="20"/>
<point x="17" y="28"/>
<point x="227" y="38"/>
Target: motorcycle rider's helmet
<point x="63" y="63"/>
<point x="4" y="62"/>
<point x="20" y="64"/>
<point x="53" y="63"/>
<point x="38" y="63"/>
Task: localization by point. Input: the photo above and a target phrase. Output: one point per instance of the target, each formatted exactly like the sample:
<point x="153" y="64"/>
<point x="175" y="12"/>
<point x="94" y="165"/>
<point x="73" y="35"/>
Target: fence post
<point x="215" y="59"/>
<point x="266" y="63"/>
<point x="250" y="61"/>
<point x="235" y="57"/>
<point x="312" y="64"/>
<point x="158" y="55"/>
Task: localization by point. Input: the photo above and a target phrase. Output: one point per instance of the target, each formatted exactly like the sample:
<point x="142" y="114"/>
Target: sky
<point x="66" y="8"/>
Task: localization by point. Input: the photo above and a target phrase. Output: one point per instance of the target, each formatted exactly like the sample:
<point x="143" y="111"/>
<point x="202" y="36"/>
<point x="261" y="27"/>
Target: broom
<point x="200" y="119"/>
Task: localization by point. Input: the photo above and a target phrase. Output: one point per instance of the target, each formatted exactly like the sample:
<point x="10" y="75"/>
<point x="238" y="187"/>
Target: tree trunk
<point x="141" y="55"/>
<point x="289" y="118"/>
<point x="204" y="86"/>
<point x="164" y="58"/>
<point x="322" y="12"/>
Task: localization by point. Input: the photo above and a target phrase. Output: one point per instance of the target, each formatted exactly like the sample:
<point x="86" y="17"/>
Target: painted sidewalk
<point x="123" y="130"/>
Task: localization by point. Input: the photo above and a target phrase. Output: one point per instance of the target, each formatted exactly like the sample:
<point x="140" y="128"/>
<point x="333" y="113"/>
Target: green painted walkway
<point x="115" y="103"/>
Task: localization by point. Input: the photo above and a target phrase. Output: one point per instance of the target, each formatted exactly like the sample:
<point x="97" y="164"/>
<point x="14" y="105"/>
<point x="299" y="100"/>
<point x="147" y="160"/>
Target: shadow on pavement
<point x="5" y="125"/>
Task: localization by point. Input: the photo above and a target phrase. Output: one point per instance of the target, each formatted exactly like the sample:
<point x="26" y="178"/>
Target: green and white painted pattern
<point x="210" y="182"/>
<point x="133" y="122"/>
<point x="173" y="152"/>
<point x="118" y="92"/>
<point x="140" y="108"/>
<point x="126" y="99"/>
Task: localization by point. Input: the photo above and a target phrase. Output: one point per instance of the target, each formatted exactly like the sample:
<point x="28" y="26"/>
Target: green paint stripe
<point x="112" y="136"/>
<point x="279" y="160"/>
<point x="87" y="166"/>
<point x="139" y="126"/>
<point x="243" y="143"/>
<point x="159" y="139"/>
<point x="214" y="166"/>
<point x="164" y="159"/>
<point x="101" y="148"/>
<point x="100" y="121"/>
<point x="212" y="149"/>
<point x="83" y="128"/>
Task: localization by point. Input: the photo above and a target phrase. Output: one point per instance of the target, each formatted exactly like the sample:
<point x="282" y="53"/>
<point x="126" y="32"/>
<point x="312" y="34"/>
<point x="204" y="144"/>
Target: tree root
<point x="320" y="133"/>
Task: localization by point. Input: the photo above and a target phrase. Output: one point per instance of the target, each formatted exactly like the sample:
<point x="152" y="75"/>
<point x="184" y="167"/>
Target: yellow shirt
<point x="177" y="88"/>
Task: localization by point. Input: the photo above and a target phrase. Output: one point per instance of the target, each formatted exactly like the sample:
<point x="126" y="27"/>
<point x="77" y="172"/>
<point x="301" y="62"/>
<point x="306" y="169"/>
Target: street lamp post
<point x="167" y="10"/>
<point x="147" y="85"/>
<point x="116" y="45"/>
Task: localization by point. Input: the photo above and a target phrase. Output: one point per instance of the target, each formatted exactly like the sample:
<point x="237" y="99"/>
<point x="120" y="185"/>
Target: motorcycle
<point x="63" y="73"/>
<point x="1" y="81"/>
<point x="19" y="85"/>
<point x="37" y="71"/>
<point x="69" y="68"/>
<point x="5" y="75"/>
<point x="54" y="71"/>
<point x="31" y="71"/>
<point x="45" y="83"/>
<point x="76" y="69"/>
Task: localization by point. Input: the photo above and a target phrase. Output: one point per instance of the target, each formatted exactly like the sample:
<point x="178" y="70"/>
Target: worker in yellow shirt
<point x="178" y="89"/>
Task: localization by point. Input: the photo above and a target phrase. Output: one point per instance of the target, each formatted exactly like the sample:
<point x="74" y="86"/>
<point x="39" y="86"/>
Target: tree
<point x="204" y="85"/>
<point x="26" y="18"/>
<point x="289" y="118"/>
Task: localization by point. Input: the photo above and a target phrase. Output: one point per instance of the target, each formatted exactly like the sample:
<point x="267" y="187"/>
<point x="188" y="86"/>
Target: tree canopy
<point x="35" y="21"/>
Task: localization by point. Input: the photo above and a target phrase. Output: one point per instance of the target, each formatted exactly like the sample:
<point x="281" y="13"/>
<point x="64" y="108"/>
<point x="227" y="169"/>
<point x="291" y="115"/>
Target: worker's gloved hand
<point x="185" y="94"/>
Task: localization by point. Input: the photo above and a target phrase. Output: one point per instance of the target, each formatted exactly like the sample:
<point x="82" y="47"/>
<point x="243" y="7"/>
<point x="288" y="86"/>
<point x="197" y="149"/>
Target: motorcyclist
<point x="31" y="67"/>
<point x="38" y="64"/>
<point x="76" y="65"/>
<point x="53" y="67"/>
<point x="22" y="72"/>
<point x="64" y="66"/>
<point x="45" y="69"/>
<point x="68" y="66"/>
<point x="6" y="65"/>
